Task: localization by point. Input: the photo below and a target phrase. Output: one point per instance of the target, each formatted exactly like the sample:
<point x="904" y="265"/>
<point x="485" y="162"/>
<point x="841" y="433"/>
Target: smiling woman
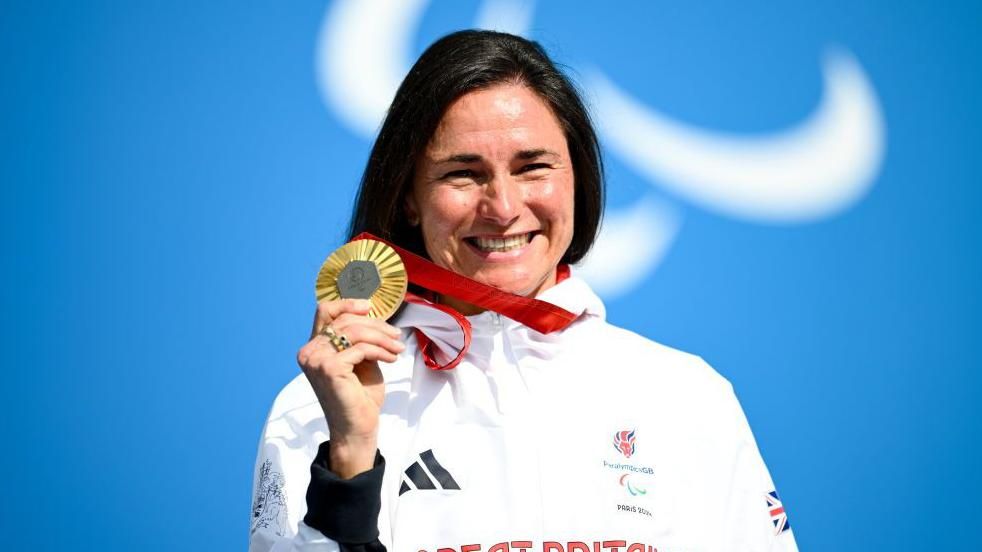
<point x="588" y="436"/>
<point x="460" y="83"/>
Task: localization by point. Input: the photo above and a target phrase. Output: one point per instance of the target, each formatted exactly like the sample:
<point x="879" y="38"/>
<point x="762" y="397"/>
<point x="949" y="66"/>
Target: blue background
<point x="172" y="180"/>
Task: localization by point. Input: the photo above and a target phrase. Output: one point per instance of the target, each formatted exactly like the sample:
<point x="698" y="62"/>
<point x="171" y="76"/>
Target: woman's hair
<point x="456" y="64"/>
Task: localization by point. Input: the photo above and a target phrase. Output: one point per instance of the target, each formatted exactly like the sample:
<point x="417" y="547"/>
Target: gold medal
<point x="364" y="269"/>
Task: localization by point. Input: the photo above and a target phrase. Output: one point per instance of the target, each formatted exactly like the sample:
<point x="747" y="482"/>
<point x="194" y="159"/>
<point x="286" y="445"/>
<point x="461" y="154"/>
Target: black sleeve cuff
<point x="344" y="510"/>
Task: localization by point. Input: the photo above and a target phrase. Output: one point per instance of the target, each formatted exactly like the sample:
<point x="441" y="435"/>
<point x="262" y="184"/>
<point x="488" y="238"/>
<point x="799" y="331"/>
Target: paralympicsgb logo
<point x="624" y="442"/>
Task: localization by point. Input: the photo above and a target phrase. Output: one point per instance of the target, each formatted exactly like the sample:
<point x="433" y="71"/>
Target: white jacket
<point x="591" y="439"/>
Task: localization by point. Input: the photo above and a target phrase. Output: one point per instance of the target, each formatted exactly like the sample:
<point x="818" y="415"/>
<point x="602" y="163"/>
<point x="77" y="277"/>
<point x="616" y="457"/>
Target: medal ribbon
<point x="541" y="316"/>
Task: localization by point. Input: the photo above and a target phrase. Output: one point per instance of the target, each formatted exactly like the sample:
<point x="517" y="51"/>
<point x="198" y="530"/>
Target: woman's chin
<point x="517" y="283"/>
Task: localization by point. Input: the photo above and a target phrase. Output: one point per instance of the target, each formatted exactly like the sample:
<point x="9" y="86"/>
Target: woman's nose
<point x="502" y="201"/>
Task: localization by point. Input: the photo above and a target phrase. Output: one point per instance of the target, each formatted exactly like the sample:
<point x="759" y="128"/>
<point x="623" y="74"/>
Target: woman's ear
<point x="412" y="214"/>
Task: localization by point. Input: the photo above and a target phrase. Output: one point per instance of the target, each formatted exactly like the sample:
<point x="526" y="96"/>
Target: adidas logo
<point x="419" y="477"/>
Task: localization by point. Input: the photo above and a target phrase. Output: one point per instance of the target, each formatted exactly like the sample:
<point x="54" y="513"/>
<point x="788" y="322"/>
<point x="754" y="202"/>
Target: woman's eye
<point x="533" y="166"/>
<point x="462" y="173"/>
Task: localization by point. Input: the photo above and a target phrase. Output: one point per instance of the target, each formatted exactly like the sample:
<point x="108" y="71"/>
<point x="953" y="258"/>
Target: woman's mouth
<point x="501" y="244"/>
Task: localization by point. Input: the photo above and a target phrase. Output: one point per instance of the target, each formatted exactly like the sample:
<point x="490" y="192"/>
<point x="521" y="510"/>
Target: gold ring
<point x="340" y="342"/>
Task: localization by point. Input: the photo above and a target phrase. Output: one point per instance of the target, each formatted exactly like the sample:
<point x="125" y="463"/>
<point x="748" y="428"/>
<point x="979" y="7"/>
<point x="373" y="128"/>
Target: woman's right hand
<point x="348" y="383"/>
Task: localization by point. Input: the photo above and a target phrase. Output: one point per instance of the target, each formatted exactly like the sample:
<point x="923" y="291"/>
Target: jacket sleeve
<point x="300" y="505"/>
<point x="345" y="510"/>
<point x="756" y="519"/>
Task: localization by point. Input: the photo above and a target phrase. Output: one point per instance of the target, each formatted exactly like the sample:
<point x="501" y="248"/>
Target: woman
<point x="587" y="439"/>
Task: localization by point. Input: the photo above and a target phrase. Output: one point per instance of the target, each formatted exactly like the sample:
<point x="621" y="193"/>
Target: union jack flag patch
<point x="778" y="516"/>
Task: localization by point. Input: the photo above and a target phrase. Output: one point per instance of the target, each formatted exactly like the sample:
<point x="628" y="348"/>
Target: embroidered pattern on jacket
<point x="269" y="506"/>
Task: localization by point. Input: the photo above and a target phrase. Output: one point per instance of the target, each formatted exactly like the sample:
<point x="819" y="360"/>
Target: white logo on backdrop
<point x="819" y="167"/>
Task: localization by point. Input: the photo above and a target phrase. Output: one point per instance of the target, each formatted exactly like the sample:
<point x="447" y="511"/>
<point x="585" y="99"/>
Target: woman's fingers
<point x="329" y="311"/>
<point x="320" y="355"/>
<point x="360" y="352"/>
<point x="369" y="333"/>
<point x="315" y="352"/>
<point x="343" y="321"/>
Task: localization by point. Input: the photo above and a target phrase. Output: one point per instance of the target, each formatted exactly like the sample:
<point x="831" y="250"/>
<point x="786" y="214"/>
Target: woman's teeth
<point x="498" y="245"/>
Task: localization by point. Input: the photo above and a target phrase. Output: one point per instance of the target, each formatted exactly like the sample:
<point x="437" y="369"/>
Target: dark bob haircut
<point x="456" y="64"/>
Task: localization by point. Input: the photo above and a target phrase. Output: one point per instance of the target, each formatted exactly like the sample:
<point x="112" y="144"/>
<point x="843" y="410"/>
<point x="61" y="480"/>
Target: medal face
<point x="359" y="280"/>
<point x="364" y="269"/>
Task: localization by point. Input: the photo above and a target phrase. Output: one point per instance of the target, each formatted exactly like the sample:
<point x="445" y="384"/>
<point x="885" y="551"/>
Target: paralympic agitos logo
<point x="806" y="172"/>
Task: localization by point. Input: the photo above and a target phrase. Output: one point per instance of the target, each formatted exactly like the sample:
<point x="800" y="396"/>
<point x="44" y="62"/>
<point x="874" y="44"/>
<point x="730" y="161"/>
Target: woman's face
<point x="493" y="192"/>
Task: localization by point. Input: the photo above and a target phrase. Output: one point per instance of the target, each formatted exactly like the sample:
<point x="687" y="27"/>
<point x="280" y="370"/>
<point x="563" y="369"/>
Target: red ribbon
<point x="539" y="315"/>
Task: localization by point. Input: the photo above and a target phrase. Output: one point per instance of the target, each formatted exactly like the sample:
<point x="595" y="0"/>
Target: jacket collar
<point x="444" y="335"/>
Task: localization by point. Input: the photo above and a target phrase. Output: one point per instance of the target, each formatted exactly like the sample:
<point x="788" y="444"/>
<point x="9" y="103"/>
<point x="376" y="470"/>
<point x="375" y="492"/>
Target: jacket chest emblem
<point x="631" y="476"/>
